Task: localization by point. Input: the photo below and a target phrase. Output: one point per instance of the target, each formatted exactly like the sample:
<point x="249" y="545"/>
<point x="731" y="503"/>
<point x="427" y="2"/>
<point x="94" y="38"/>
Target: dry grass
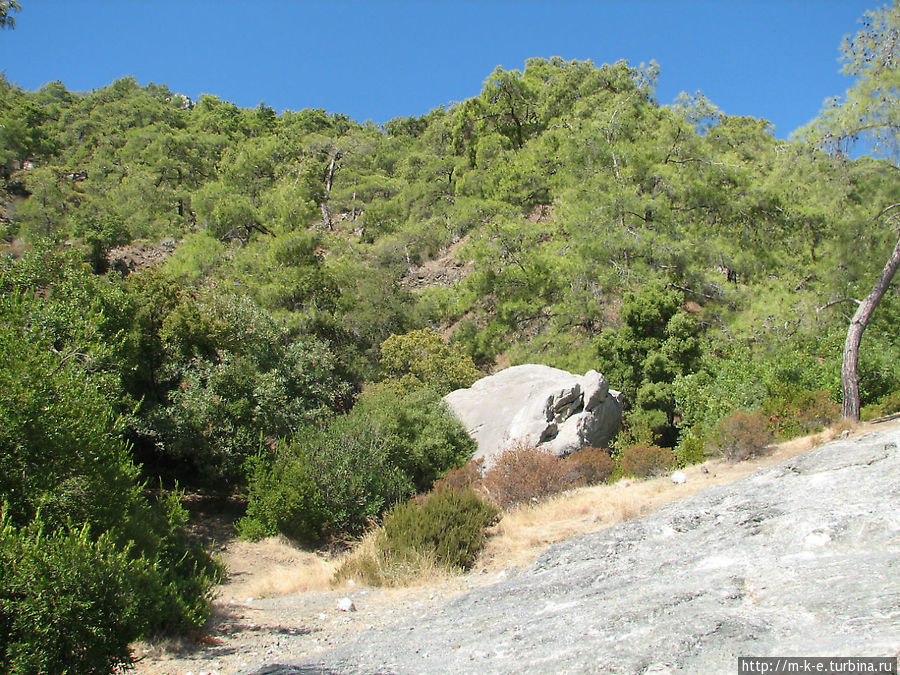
<point x="274" y="567"/>
<point x="366" y="564"/>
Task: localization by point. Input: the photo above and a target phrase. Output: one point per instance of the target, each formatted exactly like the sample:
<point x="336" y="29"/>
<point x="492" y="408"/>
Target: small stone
<point x="679" y="477"/>
<point x="346" y="605"/>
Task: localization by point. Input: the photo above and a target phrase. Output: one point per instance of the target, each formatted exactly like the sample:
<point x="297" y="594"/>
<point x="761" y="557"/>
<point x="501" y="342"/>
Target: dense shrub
<point x="64" y="465"/>
<point x="69" y="603"/>
<point x="741" y="435"/>
<point x="795" y="412"/>
<point x="338" y="478"/>
<point x="527" y="474"/>
<point x="644" y="461"/>
<point x="283" y="497"/>
<point x="451" y="523"/>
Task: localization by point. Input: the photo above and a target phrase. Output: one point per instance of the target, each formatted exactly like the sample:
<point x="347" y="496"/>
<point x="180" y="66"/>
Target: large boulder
<point x="537" y="405"/>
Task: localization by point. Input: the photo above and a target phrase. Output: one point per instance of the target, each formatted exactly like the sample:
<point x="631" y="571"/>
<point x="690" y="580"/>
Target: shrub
<point x="588" y="466"/>
<point x="466" y="476"/>
<point x="444" y="531"/>
<point x="644" y="461"/>
<point x="741" y="434"/>
<point x="68" y="603"/>
<point x="524" y="474"/>
<point x="887" y="405"/>
<point x="451" y="523"/>
<point x="283" y="497"/>
<point x="797" y="412"/>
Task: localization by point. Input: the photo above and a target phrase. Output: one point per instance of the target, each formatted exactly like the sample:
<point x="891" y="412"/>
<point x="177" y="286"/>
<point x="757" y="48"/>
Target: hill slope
<point x="797" y="559"/>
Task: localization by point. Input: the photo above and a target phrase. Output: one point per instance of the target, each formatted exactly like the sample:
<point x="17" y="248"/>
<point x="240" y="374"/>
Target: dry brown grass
<point x="366" y="564"/>
<point x="273" y="567"/>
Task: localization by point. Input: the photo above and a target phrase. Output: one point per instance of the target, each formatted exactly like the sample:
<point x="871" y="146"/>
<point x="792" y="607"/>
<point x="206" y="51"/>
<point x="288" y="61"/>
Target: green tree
<point x="869" y="112"/>
<point x="7" y="6"/>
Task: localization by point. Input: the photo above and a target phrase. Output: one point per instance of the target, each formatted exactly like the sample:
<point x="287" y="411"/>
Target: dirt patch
<point x="445" y="270"/>
<point x="135" y="257"/>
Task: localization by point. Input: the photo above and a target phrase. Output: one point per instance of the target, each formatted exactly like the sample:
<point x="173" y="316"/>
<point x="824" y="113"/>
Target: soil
<point x="246" y="634"/>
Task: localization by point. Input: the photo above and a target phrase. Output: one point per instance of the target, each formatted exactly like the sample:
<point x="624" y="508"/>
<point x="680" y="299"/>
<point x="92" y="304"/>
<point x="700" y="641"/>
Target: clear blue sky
<point x="776" y="59"/>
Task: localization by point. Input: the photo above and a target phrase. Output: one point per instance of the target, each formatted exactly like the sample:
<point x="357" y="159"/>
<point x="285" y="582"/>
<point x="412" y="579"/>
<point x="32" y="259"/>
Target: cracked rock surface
<point x="798" y="559"/>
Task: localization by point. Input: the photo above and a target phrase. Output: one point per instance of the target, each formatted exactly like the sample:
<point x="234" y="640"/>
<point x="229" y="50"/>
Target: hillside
<point x="265" y="310"/>
<point x="730" y="563"/>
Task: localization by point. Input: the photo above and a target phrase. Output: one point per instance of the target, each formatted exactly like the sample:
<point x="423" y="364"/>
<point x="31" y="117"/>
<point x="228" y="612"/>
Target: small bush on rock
<point x="741" y="435"/>
<point x="643" y="461"/>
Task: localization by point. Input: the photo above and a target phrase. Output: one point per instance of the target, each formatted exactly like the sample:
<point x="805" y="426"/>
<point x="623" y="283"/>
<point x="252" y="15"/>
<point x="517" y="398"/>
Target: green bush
<point x="283" y="497"/>
<point x="64" y="465"/>
<point x="642" y="461"/>
<point x="337" y="479"/>
<point x="741" y="435"/>
<point x="69" y="603"/>
<point x="450" y="524"/>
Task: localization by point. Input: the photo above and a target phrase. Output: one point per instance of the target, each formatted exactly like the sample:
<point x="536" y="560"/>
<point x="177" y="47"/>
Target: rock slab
<point x="537" y="405"/>
<point x="799" y="559"/>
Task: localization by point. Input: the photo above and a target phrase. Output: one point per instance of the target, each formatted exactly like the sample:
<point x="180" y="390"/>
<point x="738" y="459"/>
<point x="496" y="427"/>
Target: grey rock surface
<point x="799" y="559"/>
<point x="537" y="405"/>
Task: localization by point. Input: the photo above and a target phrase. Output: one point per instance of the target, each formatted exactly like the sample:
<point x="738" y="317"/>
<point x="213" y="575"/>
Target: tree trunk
<point x="849" y="376"/>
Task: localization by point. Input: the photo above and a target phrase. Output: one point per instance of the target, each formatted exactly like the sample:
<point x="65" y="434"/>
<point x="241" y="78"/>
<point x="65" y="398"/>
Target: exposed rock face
<point x="798" y="559"/>
<point x="538" y="405"/>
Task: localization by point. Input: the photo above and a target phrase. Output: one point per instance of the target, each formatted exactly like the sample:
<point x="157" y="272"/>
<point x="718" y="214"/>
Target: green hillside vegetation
<point x="283" y="353"/>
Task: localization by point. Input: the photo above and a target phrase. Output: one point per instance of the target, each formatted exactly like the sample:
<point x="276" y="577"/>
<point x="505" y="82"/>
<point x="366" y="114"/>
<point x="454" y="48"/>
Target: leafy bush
<point x="451" y="523"/>
<point x="644" y="461"/>
<point x="741" y="435"/>
<point x="797" y="412"/>
<point x="422" y="358"/>
<point x="338" y="478"/>
<point x="63" y="464"/>
<point x="69" y="603"/>
<point x="283" y="497"/>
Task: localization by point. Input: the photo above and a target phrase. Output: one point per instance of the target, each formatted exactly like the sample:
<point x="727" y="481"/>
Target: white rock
<point x="679" y="477"/>
<point x="346" y="605"/>
<point x="537" y="405"/>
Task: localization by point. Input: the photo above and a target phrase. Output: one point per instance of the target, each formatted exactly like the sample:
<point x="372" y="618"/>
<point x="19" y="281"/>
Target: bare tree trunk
<point x="849" y="376"/>
<point x="329" y="181"/>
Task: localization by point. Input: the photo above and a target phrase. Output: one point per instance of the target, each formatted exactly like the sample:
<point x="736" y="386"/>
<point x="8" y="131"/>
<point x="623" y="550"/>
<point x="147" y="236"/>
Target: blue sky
<point x="776" y="59"/>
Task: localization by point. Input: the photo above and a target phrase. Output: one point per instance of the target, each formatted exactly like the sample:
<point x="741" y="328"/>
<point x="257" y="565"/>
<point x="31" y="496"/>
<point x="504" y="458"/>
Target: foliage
<point x="345" y="474"/>
<point x="69" y="602"/>
<point x="741" y="435"/>
<point x="66" y="469"/>
<point x="449" y="523"/>
<point x="422" y="358"/>
<point x="643" y="461"/>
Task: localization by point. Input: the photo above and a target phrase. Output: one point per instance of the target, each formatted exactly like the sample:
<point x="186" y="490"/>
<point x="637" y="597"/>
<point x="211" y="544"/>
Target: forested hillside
<point x="331" y="280"/>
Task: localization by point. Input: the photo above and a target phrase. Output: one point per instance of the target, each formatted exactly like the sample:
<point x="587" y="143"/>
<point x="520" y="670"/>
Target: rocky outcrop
<point x="537" y="405"/>
<point x="798" y="559"/>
